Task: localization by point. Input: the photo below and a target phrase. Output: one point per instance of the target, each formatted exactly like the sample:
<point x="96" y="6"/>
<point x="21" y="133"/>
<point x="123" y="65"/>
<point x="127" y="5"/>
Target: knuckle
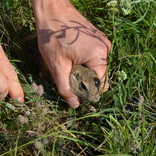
<point x="103" y="49"/>
<point x="63" y="92"/>
<point x="109" y="44"/>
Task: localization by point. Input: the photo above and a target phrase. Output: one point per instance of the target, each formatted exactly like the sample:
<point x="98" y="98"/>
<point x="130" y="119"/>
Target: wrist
<point x="44" y="9"/>
<point x="46" y="4"/>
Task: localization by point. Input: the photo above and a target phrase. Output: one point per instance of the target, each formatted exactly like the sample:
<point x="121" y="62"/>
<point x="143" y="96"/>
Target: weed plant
<point x="123" y="123"/>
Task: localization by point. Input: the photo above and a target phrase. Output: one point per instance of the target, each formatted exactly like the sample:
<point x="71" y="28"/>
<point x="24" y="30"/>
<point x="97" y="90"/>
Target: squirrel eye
<point x="82" y="86"/>
<point x="97" y="82"/>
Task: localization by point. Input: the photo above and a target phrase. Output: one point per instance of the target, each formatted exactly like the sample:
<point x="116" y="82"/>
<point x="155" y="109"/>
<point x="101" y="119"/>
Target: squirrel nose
<point x="95" y="98"/>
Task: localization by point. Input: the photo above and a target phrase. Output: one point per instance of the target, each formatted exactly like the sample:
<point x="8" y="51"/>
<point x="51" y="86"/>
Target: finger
<point x="4" y="86"/>
<point x="7" y="70"/>
<point x="61" y="76"/>
<point x="98" y="62"/>
<point x="15" y="89"/>
<point x="100" y="67"/>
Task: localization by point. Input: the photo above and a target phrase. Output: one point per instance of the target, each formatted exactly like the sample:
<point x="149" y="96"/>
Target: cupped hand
<point x="9" y="83"/>
<point x="66" y="38"/>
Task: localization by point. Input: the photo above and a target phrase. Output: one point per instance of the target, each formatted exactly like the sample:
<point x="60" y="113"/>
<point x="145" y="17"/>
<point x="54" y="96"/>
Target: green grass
<point x="124" y="121"/>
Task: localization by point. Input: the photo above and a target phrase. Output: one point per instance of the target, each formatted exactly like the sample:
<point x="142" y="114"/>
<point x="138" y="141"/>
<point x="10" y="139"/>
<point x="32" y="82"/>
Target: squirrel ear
<point x="77" y="75"/>
<point x="97" y="82"/>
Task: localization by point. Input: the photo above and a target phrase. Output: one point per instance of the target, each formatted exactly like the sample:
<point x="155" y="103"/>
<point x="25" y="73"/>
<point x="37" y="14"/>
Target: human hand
<point x="65" y="38"/>
<point x="9" y="83"/>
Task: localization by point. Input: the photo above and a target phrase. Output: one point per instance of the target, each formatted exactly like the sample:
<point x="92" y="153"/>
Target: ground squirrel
<point x="85" y="83"/>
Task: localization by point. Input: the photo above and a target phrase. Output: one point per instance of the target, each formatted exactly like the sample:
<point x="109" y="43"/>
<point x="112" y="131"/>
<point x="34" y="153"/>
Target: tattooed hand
<point x="65" y="38"/>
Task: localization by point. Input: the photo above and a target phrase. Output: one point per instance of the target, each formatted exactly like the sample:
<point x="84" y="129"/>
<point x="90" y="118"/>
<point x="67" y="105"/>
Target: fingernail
<point x="73" y="102"/>
<point x="21" y="99"/>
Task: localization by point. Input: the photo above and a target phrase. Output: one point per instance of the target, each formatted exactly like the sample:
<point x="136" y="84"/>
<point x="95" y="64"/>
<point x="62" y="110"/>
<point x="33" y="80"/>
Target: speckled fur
<point x="85" y="84"/>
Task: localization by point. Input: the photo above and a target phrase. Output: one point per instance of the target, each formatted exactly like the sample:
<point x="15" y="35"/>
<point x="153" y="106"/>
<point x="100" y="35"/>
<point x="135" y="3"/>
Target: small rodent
<point x="85" y="84"/>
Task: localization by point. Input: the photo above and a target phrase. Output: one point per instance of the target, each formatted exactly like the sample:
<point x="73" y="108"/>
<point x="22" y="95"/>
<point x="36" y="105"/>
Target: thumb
<point x="61" y="75"/>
